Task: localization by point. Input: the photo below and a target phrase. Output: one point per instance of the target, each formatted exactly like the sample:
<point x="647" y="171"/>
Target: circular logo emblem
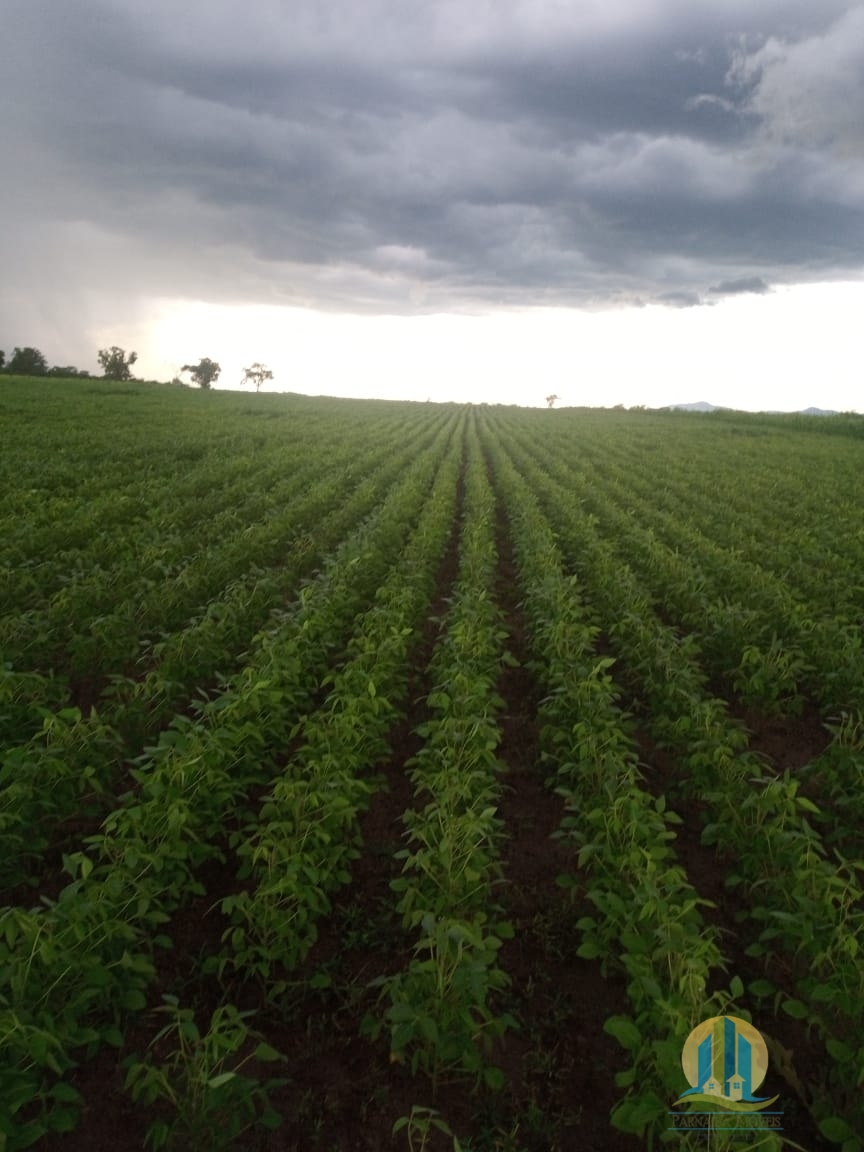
<point x="725" y="1060"/>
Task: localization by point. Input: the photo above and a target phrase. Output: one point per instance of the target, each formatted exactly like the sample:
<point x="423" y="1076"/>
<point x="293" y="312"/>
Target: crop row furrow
<point x="440" y="1012"/>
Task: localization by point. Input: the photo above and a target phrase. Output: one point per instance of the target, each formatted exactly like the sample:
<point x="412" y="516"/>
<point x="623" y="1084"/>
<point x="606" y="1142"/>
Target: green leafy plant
<point x="419" y="1126"/>
<point x="201" y="1081"/>
<point x="440" y="1018"/>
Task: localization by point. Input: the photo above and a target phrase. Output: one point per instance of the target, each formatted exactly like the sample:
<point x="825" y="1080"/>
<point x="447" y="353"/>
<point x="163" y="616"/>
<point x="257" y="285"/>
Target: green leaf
<point x="494" y="1078"/>
<point x="400" y="1012"/>
<point x="822" y="992"/>
<point x="652" y="987"/>
<point x="63" y="1120"/>
<point x="796" y="1009"/>
<point x="65" y="1093"/>
<point x="25" y="1134"/>
<point x="636" y="1112"/>
<point x="265" y="1052"/>
<point x="761" y="988"/>
<point x="428" y="1029"/>
<point x="634" y="943"/>
<point x="736" y="987"/>
<point x="841" y="1052"/>
<point x="834" y="1128"/>
<point x="270" y="1118"/>
<point x="222" y="1078"/>
<point x="624" y="1031"/>
<point x="647" y="1109"/>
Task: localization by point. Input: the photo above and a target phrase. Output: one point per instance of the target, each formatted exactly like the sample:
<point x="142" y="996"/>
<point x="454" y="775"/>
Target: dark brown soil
<point x="789" y="742"/>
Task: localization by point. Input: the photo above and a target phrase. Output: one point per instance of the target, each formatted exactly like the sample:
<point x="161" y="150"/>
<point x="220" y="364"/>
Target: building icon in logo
<point x="725" y="1060"/>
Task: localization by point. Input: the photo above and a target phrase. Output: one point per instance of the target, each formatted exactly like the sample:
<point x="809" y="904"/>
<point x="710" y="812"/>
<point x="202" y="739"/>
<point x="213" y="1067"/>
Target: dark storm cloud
<point x="406" y="156"/>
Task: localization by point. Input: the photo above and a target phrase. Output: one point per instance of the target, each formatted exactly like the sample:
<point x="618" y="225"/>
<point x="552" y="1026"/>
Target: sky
<point x="612" y="201"/>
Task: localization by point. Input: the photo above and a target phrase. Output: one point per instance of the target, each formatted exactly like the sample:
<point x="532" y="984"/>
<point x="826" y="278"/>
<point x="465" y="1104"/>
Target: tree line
<point x="116" y="364"/>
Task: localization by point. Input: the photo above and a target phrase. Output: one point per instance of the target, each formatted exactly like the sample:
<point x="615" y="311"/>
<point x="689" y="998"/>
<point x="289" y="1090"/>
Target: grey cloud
<point x="412" y="157"/>
<point x="709" y="100"/>
<point x="680" y="299"/>
<point x="808" y="93"/>
<point x="746" y="284"/>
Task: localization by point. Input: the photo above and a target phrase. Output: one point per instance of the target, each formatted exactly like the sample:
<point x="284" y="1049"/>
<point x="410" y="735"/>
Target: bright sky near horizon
<point x="789" y="350"/>
<point x="616" y="201"/>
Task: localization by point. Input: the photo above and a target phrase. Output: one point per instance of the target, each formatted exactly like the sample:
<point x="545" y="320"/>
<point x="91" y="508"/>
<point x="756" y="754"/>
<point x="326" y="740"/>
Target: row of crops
<point x="241" y="639"/>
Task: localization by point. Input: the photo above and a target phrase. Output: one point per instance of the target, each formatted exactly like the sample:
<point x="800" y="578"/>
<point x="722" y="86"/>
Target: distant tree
<point x="256" y="375"/>
<point x="550" y="400"/>
<point x="115" y="364"/>
<point x="27" y="362"/>
<point x="2" y="358"/>
<point x="204" y="373"/>
<point x="66" y="370"/>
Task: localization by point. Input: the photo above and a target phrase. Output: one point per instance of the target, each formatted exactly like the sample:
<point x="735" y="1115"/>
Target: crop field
<point x="408" y="776"/>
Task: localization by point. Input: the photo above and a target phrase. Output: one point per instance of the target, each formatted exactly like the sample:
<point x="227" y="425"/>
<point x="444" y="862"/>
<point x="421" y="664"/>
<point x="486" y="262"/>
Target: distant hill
<point x="704" y="406"/>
